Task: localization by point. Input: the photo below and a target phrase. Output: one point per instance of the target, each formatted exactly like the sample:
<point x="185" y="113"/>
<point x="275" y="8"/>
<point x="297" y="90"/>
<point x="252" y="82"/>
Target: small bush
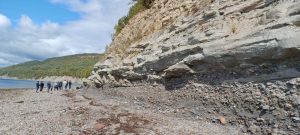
<point x="139" y="6"/>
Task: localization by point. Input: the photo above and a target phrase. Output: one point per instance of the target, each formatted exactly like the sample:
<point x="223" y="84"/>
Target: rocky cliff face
<point x="209" y="41"/>
<point x="191" y="43"/>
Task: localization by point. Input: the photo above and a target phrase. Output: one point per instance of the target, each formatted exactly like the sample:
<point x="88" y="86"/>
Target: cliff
<point x="233" y="58"/>
<point x="178" y="41"/>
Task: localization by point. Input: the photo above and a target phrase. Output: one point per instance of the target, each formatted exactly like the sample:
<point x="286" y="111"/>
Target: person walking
<point x="60" y="85"/>
<point x="52" y="85"/>
<point x="42" y="86"/>
<point x="65" y="84"/>
<point x="70" y="84"/>
<point x="56" y="86"/>
<point x="48" y="86"/>
<point x="37" y="86"/>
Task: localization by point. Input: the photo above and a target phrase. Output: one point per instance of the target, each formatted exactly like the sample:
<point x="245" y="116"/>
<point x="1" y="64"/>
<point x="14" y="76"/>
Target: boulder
<point x="209" y="14"/>
<point x="102" y="65"/>
<point x="167" y="59"/>
<point x="153" y="78"/>
<point x="104" y="72"/>
<point x="87" y="82"/>
<point x="98" y="83"/>
<point x="120" y="71"/>
<point x="178" y="70"/>
<point x="132" y="76"/>
<point x="194" y="59"/>
<point x="95" y="76"/>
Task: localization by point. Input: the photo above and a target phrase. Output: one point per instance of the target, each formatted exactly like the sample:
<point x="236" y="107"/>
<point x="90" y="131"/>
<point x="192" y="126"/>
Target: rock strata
<point x="221" y="40"/>
<point x="183" y="44"/>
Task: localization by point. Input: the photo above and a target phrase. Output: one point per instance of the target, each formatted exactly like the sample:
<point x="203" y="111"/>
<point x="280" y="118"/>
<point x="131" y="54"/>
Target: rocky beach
<point x="179" y="67"/>
<point x="238" y="108"/>
<point x="90" y="112"/>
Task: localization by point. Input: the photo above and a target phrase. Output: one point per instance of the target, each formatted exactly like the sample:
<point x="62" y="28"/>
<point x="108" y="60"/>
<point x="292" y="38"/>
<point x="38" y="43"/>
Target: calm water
<point x="10" y="83"/>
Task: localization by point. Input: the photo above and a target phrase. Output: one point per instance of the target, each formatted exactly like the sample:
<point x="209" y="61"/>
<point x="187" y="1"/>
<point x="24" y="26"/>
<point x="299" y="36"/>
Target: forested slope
<point x="75" y="65"/>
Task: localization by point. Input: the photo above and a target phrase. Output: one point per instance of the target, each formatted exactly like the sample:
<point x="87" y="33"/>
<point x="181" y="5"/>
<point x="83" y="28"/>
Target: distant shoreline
<point x="48" y="78"/>
<point x="15" y="89"/>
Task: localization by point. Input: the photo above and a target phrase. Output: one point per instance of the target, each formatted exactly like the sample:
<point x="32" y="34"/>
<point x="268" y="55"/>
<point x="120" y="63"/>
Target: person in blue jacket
<point x="42" y="86"/>
<point x="48" y="86"/>
<point x="37" y="86"/>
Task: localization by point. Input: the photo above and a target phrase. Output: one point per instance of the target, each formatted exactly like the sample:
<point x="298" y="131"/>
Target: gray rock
<point x="296" y="119"/>
<point x="288" y="106"/>
<point x="132" y="76"/>
<point x="254" y="129"/>
<point x="178" y="70"/>
<point x="210" y="32"/>
<point x="102" y="65"/>
<point x="120" y="72"/>
<point x="209" y="14"/>
<point x="98" y="83"/>
<point x="168" y="59"/>
<point x="294" y="10"/>
<point x="140" y="59"/>
<point x="194" y="59"/>
<point x="294" y="82"/>
<point x="266" y="107"/>
<point x="193" y="41"/>
<point x="153" y="78"/>
<point x="165" y="49"/>
<point x="275" y="13"/>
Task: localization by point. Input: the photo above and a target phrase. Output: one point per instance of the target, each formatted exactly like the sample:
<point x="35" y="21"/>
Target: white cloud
<point x="4" y="22"/>
<point x="89" y="34"/>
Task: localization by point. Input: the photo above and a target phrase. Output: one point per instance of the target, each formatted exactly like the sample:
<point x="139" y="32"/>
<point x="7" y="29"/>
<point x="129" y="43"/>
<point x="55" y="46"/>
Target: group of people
<point x="59" y="85"/>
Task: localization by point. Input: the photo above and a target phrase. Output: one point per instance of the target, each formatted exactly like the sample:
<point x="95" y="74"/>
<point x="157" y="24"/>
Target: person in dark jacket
<point x="37" y="86"/>
<point x="48" y="86"/>
<point x="42" y="86"/>
<point x="70" y="84"/>
<point x="60" y="85"/>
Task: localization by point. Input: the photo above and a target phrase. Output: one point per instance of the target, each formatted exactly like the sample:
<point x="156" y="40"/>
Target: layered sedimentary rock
<point x="206" y="40"/>
<point x="241" y="57"/>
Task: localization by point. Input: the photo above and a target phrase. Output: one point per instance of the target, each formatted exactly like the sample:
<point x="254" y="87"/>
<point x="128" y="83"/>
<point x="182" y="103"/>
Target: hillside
<point x="75" y="65"/>
<point x="233" y="58"/>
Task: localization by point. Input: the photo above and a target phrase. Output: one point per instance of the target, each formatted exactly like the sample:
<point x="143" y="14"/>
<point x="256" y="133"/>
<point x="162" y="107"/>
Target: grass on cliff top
<point x="79" y="65"/>
<point x="139" y="6"/>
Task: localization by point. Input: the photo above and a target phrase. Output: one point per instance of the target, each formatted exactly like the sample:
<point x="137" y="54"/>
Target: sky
<point x="41" y="29"/>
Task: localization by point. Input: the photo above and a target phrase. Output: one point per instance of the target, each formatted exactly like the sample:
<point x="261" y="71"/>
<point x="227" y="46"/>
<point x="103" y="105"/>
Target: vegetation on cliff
<point x="75" y="65"/>
<point x="140" y="5"/>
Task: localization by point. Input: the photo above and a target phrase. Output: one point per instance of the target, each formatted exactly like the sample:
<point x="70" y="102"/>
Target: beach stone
<point x="253" y="129"/>
<point x="20" y="102"/>
<point x="266" y="107"/>
<point x="222" y="120"/>
<point x="99" y="126"/>
<point x="288" y="106"/>
<point x="296" y="119"/>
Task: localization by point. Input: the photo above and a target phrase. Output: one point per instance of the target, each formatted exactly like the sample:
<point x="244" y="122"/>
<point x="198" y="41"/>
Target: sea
<point x="12" y="83"/>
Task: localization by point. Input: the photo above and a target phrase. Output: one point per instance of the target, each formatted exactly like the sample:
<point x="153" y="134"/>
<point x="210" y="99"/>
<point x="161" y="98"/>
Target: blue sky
<point x="40" y="29"/>
<point x="39" y="11"/>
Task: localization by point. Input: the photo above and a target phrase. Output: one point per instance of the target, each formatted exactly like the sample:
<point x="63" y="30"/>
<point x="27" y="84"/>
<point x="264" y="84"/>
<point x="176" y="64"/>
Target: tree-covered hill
<point x="79" y="65"/>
